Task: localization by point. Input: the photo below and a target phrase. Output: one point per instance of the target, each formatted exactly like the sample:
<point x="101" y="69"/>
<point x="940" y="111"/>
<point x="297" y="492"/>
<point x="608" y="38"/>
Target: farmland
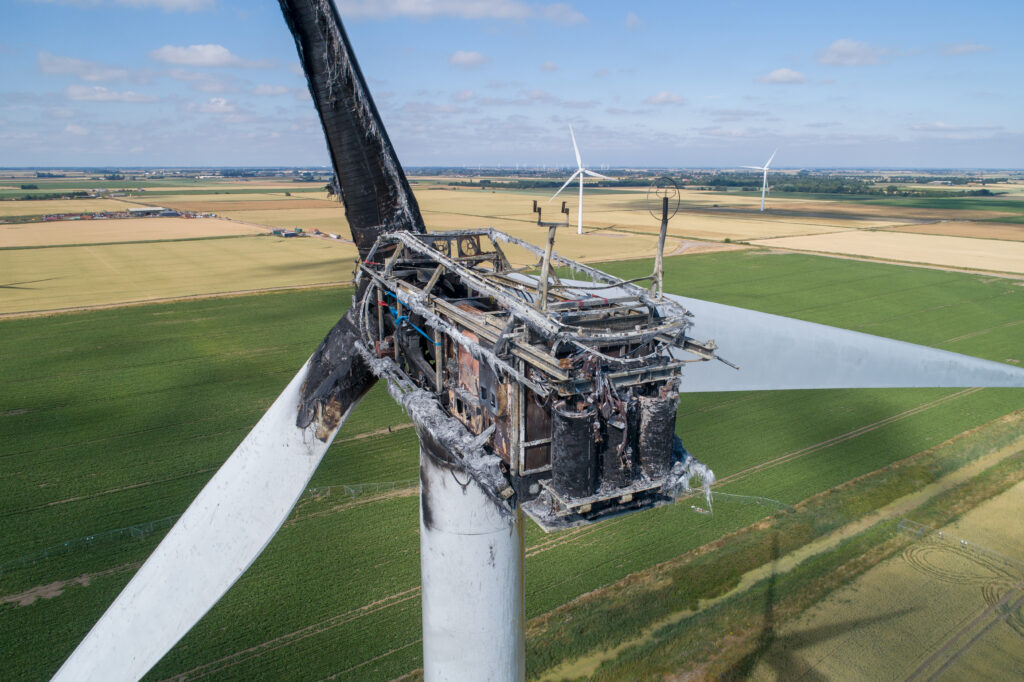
<point x="67" y="232"/>
<point x="962" y="252"/>
<point x="57" y="278"/>
<point x="923" y="634"/>
<point x="118" y="417"/>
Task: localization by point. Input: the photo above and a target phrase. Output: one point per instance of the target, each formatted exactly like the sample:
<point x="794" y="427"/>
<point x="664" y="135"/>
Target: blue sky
<point x="497" y="82"/>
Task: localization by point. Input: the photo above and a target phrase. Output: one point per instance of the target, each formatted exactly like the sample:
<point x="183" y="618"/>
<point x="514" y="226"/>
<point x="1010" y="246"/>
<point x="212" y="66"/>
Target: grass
<point x="157" y="396"/>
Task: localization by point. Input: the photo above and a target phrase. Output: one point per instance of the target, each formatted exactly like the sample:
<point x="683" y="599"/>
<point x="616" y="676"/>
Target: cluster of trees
<point x="946" y="179"/>
<point x="78" y="194"/>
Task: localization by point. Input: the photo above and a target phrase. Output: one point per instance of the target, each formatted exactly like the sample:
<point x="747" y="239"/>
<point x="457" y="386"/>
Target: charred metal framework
<point x="573" y="391"/>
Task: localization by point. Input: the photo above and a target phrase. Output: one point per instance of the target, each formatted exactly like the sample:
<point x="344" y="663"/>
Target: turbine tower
<point x="764" y="168"/>
<point x="475" y="351"/>
<point x="580" y="172"/>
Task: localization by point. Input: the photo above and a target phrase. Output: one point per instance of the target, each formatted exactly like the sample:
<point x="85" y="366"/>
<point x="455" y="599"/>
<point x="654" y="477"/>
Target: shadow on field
<point x="17" y="285"/>
<point x="781" y="654"/>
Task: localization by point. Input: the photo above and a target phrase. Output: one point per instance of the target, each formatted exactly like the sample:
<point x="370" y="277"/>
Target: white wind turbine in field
<point x="580" y="171"/>
<point x="764" y="168"/>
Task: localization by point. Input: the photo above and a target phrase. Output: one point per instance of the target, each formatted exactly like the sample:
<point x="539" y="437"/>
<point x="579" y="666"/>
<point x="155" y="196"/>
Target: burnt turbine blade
<point x="369" y="178"/>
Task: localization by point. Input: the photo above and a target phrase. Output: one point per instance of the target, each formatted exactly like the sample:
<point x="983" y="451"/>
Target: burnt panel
<point x="657" y="433"/>
<point x="616" y="456"/>
<point x="573" y="465"/>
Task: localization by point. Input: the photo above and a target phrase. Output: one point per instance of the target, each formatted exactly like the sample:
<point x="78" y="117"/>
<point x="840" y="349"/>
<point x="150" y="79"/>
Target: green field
<point x="117" y="417"/>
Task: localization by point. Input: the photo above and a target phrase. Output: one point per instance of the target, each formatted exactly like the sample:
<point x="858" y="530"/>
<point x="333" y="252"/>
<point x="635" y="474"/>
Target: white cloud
<point x="165" y="5"/>
<point x="957" y="49"/>
<point x="98" y="93"/>
<point x="214" y="105"/>
<point x="73" y="129"/>
<point x="270" y="90"/>
<point x="941" y="127"/>
<point x="563" y="13"/>
<point x="87" y="71"/>
<point x="202" y="55"/>
<point x="633" y="22"/>
<point x="782" y="75"/>
<point x="467" y="59"/>
<point x="549" y="66"/>
<point x="846" y="52"/>
<point x="665" y="97"/>
<point x="464" y="95"/>
<point x="466" y="9"/>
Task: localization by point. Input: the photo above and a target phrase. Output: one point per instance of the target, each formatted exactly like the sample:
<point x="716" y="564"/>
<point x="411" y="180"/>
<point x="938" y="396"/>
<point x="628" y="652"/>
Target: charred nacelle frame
<point x="576" y="393"/>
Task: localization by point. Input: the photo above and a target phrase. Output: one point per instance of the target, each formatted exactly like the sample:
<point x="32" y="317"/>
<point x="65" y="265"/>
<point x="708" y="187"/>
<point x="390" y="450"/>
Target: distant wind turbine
<point x="764" y="186"/>
<point x="580" y="171"/>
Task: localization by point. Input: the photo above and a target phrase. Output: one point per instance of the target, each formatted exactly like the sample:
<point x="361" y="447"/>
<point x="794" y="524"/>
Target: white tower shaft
<point x="764" y="187"/>
<point x="471" y="562"/>
<point x="579" y="213"/>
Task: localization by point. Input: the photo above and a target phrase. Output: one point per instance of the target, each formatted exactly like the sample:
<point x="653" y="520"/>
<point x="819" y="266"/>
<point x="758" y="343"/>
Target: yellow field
<point x="968" y="229"/>
<point x="68" y="277"/>
<point x="127" y="230"/>
<point x="223" y="197"/>
<point x="269" y="203"/>
<point x="45" y="206"/>
<point x="956" y="252"/>
<point x="933" y="610"/>
<point x="330" y="218"/>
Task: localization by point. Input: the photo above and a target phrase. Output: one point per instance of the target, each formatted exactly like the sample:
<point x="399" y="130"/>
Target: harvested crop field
<point x="80" y="276"/>
<point x="47" y="206"/>
<point x="701" y="225"/>
<point x="955" y="252"/>
<point x="977" y="230"/>
<point x="245" y="202"/>
<point x="881" y="209"/>
<point x="940" y="609"/>
<point x="324" y="216"/>
<point x="126" y="230"/>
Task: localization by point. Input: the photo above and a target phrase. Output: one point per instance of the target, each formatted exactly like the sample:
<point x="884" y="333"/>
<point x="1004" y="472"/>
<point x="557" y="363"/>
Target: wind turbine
<point x="764" y="168"/>
<point x="580" y="172"/>
<point x="471" y="503"/>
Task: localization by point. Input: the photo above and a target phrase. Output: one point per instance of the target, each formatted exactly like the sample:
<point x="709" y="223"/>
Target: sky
<point x="497" y="83"/>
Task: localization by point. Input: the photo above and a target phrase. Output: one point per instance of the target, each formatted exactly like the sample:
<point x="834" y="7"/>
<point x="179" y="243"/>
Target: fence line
<point x="749" y="499"/>
<point x="141" y="530"/>
<point x="357" y="489"/>
<point x="353" y="490"/>
<point x="919" y="530"/>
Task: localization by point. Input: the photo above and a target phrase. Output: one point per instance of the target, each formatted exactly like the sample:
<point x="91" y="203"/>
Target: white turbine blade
<point x="208" y="549"/>
<point x="571" y="178"/>
<point x="579" y="162"/>
<point x="770" y="158"/>
<point x="596" y="175"/>
<point x="757" y="168"/>
<point x="775" y="353"/>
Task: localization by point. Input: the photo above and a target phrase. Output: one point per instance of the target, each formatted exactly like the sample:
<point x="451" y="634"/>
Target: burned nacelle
<point x="571" y="385"/>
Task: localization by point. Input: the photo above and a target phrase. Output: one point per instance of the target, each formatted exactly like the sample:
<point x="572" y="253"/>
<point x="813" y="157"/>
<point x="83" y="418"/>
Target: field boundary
<point x="172" y="299"/>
